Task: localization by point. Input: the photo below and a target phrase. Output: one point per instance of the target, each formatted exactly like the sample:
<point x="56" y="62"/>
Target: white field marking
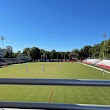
<point x="26" y="68"/>
<point x="103" y="71"/>
<point x="58" y="65"/>
<point x="96" y="68"/>
<point x="42" y="68"/>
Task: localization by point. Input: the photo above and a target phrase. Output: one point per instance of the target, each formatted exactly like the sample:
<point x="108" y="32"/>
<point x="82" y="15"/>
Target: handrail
<point x="34" y="105"/>
<point x="55" y="82"/>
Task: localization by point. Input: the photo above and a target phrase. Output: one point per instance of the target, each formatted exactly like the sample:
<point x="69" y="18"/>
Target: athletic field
<point x="60" y="94"/>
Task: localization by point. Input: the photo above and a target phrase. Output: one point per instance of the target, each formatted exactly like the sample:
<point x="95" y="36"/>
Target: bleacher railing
<point x="54" y="82"/>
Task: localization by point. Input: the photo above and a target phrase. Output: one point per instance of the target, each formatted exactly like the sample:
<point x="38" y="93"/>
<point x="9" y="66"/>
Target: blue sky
<point x="62" y="25"/>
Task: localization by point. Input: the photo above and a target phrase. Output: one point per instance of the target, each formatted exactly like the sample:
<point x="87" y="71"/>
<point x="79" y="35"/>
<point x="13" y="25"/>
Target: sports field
<point x="60" y="94"/>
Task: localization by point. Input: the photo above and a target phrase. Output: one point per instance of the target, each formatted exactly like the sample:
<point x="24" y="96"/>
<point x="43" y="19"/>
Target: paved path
<point x="96" y="68"/>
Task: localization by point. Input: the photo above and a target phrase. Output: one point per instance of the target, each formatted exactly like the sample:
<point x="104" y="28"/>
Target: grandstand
<point x="9" y="61"/>
<point x="104" y="63"/>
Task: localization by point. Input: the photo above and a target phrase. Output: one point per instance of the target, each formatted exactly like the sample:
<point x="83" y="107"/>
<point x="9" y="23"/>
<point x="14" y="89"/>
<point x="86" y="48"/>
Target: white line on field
<point x="96" y="68"/>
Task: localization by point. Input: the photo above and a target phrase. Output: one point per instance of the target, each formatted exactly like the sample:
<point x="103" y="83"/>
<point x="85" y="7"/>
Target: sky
<point x="62" y="25"/>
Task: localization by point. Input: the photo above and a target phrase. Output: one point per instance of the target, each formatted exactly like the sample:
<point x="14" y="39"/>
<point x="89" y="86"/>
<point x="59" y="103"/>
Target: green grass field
<point x="60" y="94"/>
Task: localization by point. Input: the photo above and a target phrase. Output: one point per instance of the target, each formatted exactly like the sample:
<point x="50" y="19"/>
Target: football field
<point x="60" y="94"/>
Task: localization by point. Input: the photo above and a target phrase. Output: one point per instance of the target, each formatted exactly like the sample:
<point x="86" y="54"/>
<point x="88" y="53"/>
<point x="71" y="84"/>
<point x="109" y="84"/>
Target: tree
<point x="95" y="51"/>
<point x="48" y="53"/>
<point x="34" y="53"/>
<point x="85" y="52"/>
<point x="42" y="51"/>
<point x="14" y="55"/>
<point x="26" y="51"/>
<point x="7" y="55"/>
<point x="107" y="49"/>
<point x="60" y="55"/>
<point x="54" y="54"/>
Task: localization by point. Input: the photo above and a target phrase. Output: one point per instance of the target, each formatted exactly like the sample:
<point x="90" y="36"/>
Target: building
<point x="2" y="52"/>
<point x="9" y="49"/>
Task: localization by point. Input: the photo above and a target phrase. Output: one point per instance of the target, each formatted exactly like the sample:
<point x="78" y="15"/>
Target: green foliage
<point x="7" y="55"/>
<point x="48" y="53"/>
<point x="107" y="47"/>
<point x="101" y="50"/>
<point x="54" y="54"/>
<point x="34" y="53"/>
<point x="10" y="55"/>
<point x="26" y="51"/>
<point x="14" y="55"/>
<point x="85" y="52"/>
<point x="42" y="51"/>
<point x="95" y="51"/>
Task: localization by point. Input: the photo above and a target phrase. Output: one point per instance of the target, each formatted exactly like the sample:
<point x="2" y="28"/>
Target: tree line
<point x="101" y="50"/>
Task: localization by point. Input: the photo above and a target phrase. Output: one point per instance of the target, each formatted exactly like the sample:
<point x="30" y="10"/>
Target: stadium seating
<point x="9" y="61"/>
<point x="104" y="64"/>
<point x="91" y="61"/>
<point x="98" y="62"/>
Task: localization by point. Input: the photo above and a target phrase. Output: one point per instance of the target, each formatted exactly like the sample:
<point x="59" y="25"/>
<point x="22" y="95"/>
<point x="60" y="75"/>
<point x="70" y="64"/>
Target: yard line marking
<point x="96" y="68"/>
<point x="51" y="96"/>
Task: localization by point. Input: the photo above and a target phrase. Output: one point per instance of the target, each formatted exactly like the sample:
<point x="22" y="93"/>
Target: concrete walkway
<point x="96" y="68"/>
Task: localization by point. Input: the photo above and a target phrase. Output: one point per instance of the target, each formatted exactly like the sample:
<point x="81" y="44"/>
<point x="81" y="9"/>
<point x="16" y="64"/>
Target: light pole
<point x="2" y="38"/>
<point x="104" y="35"/>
